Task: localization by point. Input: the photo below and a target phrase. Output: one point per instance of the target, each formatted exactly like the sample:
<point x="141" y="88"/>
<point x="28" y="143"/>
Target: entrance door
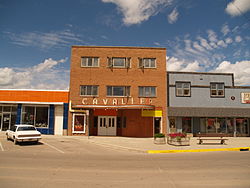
<point x="6" y="122"/>
<point x="107" y="125"/>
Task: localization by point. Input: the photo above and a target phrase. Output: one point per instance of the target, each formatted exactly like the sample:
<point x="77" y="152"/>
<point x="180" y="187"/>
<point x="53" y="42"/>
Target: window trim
<point x="144" y="96"/>
<point x="127" y="92"/>
<point x="127" y="62"/>
<point x="91" y="91"/>
<point x="142" y="63"/>
<point x="182" y="82"/>
<point x="98" y="62"/>
<point x="217" y="96"/>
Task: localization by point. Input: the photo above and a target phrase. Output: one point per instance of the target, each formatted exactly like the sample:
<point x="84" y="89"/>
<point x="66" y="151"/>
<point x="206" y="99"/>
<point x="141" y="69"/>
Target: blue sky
<point x="36" y="36"/>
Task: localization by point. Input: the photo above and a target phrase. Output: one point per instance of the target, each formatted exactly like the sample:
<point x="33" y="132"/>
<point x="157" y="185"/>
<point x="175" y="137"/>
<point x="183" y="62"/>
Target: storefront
<point x="46" y="110"/>
<point x="207" y="103"/>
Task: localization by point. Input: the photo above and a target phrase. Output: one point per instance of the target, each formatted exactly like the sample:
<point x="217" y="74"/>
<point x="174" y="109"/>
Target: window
<point x="120" y="91"/>
<point x="147" y="62"/>
<point x="182" y="89"/>
<point x="217" y="90"/>
<point x="35" y="115"/>
<point x="147" y="91"/>
<point x="89" y="90"/>
<point x="90" y="62"/>
<point x="119" y="62"/>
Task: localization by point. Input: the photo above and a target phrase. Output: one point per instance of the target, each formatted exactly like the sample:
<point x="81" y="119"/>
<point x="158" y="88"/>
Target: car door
<point x="12" y="132"/>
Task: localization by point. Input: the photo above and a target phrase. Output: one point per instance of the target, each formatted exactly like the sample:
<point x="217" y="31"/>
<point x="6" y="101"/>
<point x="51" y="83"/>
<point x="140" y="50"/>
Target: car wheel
<point x="15" y="141"/>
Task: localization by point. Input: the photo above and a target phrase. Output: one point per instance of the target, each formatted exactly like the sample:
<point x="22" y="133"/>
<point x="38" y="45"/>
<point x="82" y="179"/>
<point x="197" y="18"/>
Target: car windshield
<point x="26" y="129"/>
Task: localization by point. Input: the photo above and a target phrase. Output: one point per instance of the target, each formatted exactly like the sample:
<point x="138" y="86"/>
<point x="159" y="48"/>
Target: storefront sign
<point x="245" y="98"/>
<point x="116" y="101"/>
<point x="151" y="113"/>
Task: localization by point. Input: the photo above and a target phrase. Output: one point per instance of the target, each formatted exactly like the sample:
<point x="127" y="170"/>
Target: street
<point x="70" y="162"/>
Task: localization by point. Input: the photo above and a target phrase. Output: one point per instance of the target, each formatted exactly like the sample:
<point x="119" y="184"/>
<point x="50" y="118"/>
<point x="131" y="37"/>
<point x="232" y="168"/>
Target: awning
<point x="208" y="112"/>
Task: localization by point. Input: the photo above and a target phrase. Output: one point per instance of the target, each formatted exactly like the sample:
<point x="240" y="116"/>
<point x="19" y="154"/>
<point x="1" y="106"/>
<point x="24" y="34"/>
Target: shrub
<point x="159" y="135"/>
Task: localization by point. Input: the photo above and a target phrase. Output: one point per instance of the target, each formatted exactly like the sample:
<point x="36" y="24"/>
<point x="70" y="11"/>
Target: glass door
<point x="107" y="125"/>
<point x="6" y="122"/>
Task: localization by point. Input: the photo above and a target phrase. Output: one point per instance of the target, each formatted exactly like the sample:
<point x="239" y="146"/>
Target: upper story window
<point x="90" y="62"/>
<point x="147" y="91"/>
<point x="147" y="62"/>
<point x="217" y="89"/>
<point x="120" y="91"/>
<point x="119" y="62"/>
<point x="88" y="90"/>
<point x="182" y="89"/>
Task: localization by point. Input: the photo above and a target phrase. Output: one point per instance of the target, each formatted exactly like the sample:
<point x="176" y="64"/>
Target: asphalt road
<point x="70" y="162"/>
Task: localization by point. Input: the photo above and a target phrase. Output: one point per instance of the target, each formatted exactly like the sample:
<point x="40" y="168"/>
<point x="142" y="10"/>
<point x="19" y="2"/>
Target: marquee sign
<point x="245" y="98"/>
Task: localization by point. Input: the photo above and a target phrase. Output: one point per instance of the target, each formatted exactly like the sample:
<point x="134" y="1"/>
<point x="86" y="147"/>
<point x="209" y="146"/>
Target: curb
<point x="198" y="150"/>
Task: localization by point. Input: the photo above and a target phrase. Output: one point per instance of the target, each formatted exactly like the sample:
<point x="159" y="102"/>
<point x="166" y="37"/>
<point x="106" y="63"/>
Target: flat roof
<point x="205" y="73"/>
<point x="125" y="47"/>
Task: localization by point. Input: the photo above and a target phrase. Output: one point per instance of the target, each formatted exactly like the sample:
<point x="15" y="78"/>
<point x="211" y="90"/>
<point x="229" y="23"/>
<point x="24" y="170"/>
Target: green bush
<point x="159" y="135"/>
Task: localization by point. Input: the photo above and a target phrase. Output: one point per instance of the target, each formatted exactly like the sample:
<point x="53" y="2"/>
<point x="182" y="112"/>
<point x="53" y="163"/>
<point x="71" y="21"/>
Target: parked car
<point x="23" y="133"/>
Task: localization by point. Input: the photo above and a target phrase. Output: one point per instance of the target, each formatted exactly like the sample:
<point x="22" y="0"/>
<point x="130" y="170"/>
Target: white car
<point x="22" y="133"/>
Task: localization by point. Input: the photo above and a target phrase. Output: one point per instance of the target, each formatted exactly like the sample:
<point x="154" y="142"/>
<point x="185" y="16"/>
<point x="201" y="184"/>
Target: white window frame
<point x="87" y="89"/>
<point x="73" y="124"/>
<point x="179" y="91"/>
<point x="144" y="91"/>
<point x="111" y="62"/>
<point x="216" y="89"/>
<point x="88" y="59"/>
<point x="126" y="91"/>
<point x="142" y="63"/>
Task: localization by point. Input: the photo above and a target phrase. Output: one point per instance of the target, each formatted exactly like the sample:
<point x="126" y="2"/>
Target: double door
<point x="107" y="125"/>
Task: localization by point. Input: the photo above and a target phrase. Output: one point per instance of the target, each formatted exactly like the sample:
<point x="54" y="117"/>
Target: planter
<point x="160" y="140"/>
<point x="177" y="141"/>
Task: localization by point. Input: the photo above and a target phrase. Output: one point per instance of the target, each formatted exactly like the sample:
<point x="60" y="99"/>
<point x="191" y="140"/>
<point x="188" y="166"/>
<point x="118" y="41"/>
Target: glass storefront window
<point x="37" y="116"/>
<point x="187" y="125"/>
<point x="217" y="125"/>
<point x="41" y="119"/>
<point x="28" y="115"/>
<point x="241" y="126"/>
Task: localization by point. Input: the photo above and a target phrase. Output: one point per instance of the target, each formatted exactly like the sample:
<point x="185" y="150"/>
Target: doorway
<point x="5" y="122"/>
<point x="107" y="126"/>
<point x="157" y="125"/>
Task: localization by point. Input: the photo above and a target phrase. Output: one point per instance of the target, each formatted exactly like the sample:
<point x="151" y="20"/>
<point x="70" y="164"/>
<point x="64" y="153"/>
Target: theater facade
<point x="117" y="91"/>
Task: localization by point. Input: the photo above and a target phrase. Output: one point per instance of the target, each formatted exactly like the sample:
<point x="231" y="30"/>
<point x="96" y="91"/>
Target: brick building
<point x="117" y="91"/>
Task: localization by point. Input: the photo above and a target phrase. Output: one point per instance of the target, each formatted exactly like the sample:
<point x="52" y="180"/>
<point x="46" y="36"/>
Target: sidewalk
<point x="146" y="145"/>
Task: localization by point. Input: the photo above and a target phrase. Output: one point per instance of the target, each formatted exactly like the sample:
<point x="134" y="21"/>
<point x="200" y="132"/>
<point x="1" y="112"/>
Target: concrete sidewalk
<point x="146" y="145"/>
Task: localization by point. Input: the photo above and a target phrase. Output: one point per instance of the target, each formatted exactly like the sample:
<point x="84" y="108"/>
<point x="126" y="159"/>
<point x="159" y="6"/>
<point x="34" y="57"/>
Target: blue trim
<point x="51" y="119"/>
<point x="19" y="114"/>
<point x="65" y="115"/>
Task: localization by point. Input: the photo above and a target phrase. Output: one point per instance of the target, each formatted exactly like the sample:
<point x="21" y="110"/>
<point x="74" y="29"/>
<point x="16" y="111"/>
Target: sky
<point x="200" y="36"/>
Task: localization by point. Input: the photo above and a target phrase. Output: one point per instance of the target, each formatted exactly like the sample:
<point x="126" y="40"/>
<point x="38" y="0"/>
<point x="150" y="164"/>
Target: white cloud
<point x="229" y="40"/>
<point x="238" y="7"/>
<point x="225" y="29"/>
<point x="173" y="16"/>
<point x="137" y="11"/>
<point x="238" y="39"/>
<point x="44" y="40"/>
<point x="212" y="36"/>
<point x="174" y="64"/>
<point x="221" y="43"/>
<point x="204" y="43"/>
<point x="241" y="70"/>
<point x="46" y="75"/>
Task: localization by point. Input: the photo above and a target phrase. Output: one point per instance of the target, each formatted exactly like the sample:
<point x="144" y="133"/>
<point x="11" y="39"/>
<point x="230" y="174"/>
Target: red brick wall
<point x="133" y="76"/>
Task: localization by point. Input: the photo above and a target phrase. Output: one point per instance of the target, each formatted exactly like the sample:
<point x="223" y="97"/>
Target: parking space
<point x="54" y="144"/>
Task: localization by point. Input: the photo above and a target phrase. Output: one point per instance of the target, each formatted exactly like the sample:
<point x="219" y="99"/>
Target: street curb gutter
<point x="199" y="150"/>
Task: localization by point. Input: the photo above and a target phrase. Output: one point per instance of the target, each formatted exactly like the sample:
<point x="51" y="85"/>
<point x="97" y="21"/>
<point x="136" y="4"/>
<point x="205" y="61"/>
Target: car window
<point x="13" y="128"/>
<point x="26" y="129"/>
